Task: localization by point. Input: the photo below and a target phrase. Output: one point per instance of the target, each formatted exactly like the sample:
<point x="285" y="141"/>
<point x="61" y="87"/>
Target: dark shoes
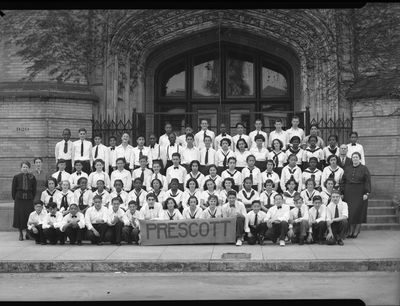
<point x="301" y="241"/>
<point x="118" y="244"/>
<point x="320" y="242"/>
<point x="261" y="240"/>
<point x="129" y="242"/>
<point x="99" y="243"/>
<point x="79" y="242"/>
<point x="340" y="242"/>
<point x="21" y="237"/>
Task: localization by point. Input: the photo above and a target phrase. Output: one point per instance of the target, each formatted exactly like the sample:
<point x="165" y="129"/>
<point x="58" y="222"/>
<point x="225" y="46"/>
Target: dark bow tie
<point x="151" y="207"/>
<point x="172" y="145"/>
<point x="73" y="216"/>
<point x="112" y="149"/>
<point x="223" y="135"/>
<point x="176" y="167"/>
<point x="232" y="205"/>
<point x="53" y="216"/>
<point x="78" y="173"/>
<point x="151" y="146"/>
<point x="279" y="207"/>
<point x="353" y="144"/>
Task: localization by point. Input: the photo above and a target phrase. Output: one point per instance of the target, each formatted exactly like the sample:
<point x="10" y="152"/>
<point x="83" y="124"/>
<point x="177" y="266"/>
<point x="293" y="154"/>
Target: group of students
<point x="196" y="176"/>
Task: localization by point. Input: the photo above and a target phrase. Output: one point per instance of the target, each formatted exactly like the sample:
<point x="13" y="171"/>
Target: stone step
<point x="382" y="219"/>
<point x="381" y="211"/>
<point x="380" y="226"/>
<point x="380" y="203"/>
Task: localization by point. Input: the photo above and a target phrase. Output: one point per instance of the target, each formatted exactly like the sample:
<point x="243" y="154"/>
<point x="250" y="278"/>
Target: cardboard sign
<point x="189" y="231"/>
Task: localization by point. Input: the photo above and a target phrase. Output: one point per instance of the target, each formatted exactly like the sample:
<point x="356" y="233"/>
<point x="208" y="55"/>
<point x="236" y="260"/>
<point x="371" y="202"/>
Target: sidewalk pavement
<point x="371" y="251"/>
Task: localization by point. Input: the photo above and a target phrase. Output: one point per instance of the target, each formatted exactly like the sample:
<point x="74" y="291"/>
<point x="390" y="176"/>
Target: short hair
<point x="118" y="180"/>
<point x="61" y="161"/>
<point x="74" y="204"/>
<point x="51" y="179"/>
<point x="249" y="156"/>
<point x="259" y="136"/>
<point x="295" y="117"/>
<point x="269" y="181"/>
<point x="297" y="196"/>
<point x="167" y="123"/>
<point x="212" y="166"/>
<point x="311" y="180"/>
<point x="176" y="154"/>
<point x="269" y="161"/>
<point x="150" y="195"/>
<point x="240" y="123"/>
<point x="97" y="135"/>
<point x="102" y="181"/>
<point x="156" y="179"/>
<point x="225" y="139"/>
<point x="174" y="180"/>
<point x="78" y="162"/>
<point x="36" y="158"/>
<point x="52" y="205"/>
<point x="188" y="126"/>
<point x="192" y="180"/>
<point x="140" y="136"/>
<point x="330" y="157"/>
<point x="313" y="158"/>
<point x="353" y="133"/>
<point x="99" y="160"/>
<point x="138" y="179"/>
<point x="116" y="199"/>
<point x="82" y="178"/>
<point x="153" y="134"/>
<point x="314" y="125"/>
<point x="278" y="194"/>
<point x="207" y="136"/>
<point x="38" y="202"/>
<point x="258" y="119"/>
<point x="227" y="179"/>
<point x="312" y="136"/>
<point x="316" y="197"/>
<point x="189" y="135"/>
<point x="169" y="199"/>
<point x="357" y="153"/>
<point x="213" y="196"/>
<point x="192" y="197"/>
<point x="245" y="143"/>
<point x="331" y="180"/>
<point x="335" y="191"/>
<point x="157" y="162"/>
<point x="256" y="201"/>
<point x="280" y="143"/>
<point x="204" y="119"/>
<point x="289" y="181"/>
<point x="334" y="136"/>
<point x="294" y="138"/>
<point x="232" y="158"/>
<point x="112" y="137"/>
<point x="205" y="184"/>
<point x="292" y="155"/>
<point x="67" y="130"/>
<point x="231" y="192"/>
<point x="279" y="120"/>
<point x="247" y="178"/>
<point x="132" y="202"/>
<point x="194" y="162"/>
<point x="98" y="197"/>
<point x="82" y="130"/>
<point x="143" y="157"/>
<point x="121" y="159"/>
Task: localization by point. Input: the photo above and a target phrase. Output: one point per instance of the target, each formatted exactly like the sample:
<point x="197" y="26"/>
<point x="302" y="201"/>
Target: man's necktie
<point x="96" y="152"/>
<point x="82" y="148"/>
<point x="81" y="198"/>
<point x="206" y="160"/>
<point x="336" y="211"/>
<point x="137" y="199"/>
<point x="299" y="213"/>
<point x="258" y="133"/>
<point x="205" y="134"/>
<point x="65" y="147"/>
<point x="156" y="176"/>
<point x="142" y="175"/>
<point x="64" y="201"/>
<point x="256" y="220"/>
<point x="251" y="175"/>
<point x="225" y="159"/>
<point x="59" y="178"/>
<point x="140" y="153"/>
<point x="269" y="200"/>
<point x="317" y="215"/>
<point x="343" y="161"/>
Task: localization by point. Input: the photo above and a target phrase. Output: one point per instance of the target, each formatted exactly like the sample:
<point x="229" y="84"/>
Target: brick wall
<point x="378" y="128"/>
<point x="31" y="126"/>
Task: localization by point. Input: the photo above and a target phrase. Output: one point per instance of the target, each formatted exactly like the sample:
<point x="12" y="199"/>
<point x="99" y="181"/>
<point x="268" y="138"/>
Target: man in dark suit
<point x="343" y="160"/>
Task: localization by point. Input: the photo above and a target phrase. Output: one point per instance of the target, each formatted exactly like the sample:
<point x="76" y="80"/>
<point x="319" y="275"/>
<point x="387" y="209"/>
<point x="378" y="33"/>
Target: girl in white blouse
<point x="192" y="211"/>
<point x="171" y="211"/>
<point x="214" y="210"/>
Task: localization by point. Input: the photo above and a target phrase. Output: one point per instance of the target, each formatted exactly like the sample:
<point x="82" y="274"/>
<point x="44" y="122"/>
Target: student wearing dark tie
<point x="138" y="152"/>
<point x="63" y="150"/>
<point x="217" y="140"/>
<point x="61" y="174"/>
<point x="131" y="231"/>
<point x="199" y="137"/>
<point x="267" y="196"/>
<point x="317" y="221"/>
<point x="172" y="148"/>
<point x="116" y="221"/>
<point x="207" y="156"/>
<point x="343" y="160"/>
<point x="138" y="194"/>
<point x="82" y="150"/>
<point x="223" y="154"/>
<point x="277" y="221"/>
<point x="96" y="222"/>
<point x="143" y="172"/>
<point x="336" y="219"/>
<point x="176" y="171"/>
<point x="100" y="151"/>
<point x="73" y="179"/>
<point x="112" y="141"/>
<point x="255" y="226"/>
<point x="171" y="211"/>
<point x="298" y="221"/>
<point x="51" y="225"/>
<point x="73" y="225"/>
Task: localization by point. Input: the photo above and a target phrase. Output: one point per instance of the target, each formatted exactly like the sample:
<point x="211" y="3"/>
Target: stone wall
<point x="377" y="123"/>
<point x="32" y="118"/>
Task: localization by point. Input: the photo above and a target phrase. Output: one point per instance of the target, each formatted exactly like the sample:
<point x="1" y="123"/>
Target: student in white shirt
<point x="157" y="189"/>
<point x="313" y="151"/>
<point x="158" y="153"/>
<point x="189" y="153"/>
<point x="292" y="171"/>
<point x="332" y="148"/>
<point x="176" y="171"/>
<point x="233" y="173"/>
<point x="171" y="149"/>
<point x="118" y="192"/>
<point x="269" y="174"/>
<point x="336" y="219"/>
<point x="157" y="175"/>
<point x="309" y="193"/>
<point x="64" y="198"/>
<point x="223" y="154"/>
<point x="313" y="132"/>
<point x="353" y="146"/>
<point x="260" y="152"/>
<point x="105" y="196"/>
<point x="199" y="137"/>
<point x="96" y="218"/>
<point x="217" y="141"/>
<point x="138" y="152"/>
<point x="182" y="138"/>
<point x="241" y="154"/>
<point x="124" y="150"/>
<point x="213" y="175"/>
<point x="313" y="172"/>
<point x="35" y="222"/>
<point x="164" y="139"/>
<point x="277" y="155"/>
<point x="295" y="130"/>
<point x="171" y="211"/>
<point x="253" y="172"/>
<point x="258" y="125"/>
<point x="100" y="151"/>
<point x="73" y="179"/>
<point x="247" y="194"/>
<point x="61" y="174"/>
<point x="73" y="225"/>
<point x="131" y="231"/>
<point x="174" y="192"/>
<point x="294" y="148"/>
<point x="83" y="196"/>
<point x="226" y="186"/>
<point x="278" y="134"/>
<point x="116" y="221"/>
<point x="51" y="225"/>
<point x="277" y="221"/>
<point x="267" y="196"/>
<point x="112" y="141"/>
<point x="195" y="174"/>
<point x="152" y="210"/>
<point x="121" y="174"/>
<point x="240" y="135"/>
<point x="290" y="192"/>
<point x="236" y="209"/>
<point x="255" y="226"/>
<point x="332" y="171"/>
<point x="214" y="210"/>
<point x="142" y="172"/>
<point x="192" y="211"/>
<point x="317" y="221"/>
<point x="207" y="156"/>
<point x="99" y="174"/>
<point x="192" y="190"/>
<point x="209" y="189"/>
<point x="63" y="150"/>
<point x="138" y="194"/>
<point x="298" y="221"/>
<point x="50" y="194"/>
<point x="327" y="194"/>
<point x="82" y="150"/>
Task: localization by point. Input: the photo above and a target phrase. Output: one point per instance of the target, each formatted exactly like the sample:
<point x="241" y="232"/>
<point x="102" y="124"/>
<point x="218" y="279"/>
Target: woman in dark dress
<point x="40" y="176"/>
<point x="23" y="192"/>
<point x="356" y="187"/>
